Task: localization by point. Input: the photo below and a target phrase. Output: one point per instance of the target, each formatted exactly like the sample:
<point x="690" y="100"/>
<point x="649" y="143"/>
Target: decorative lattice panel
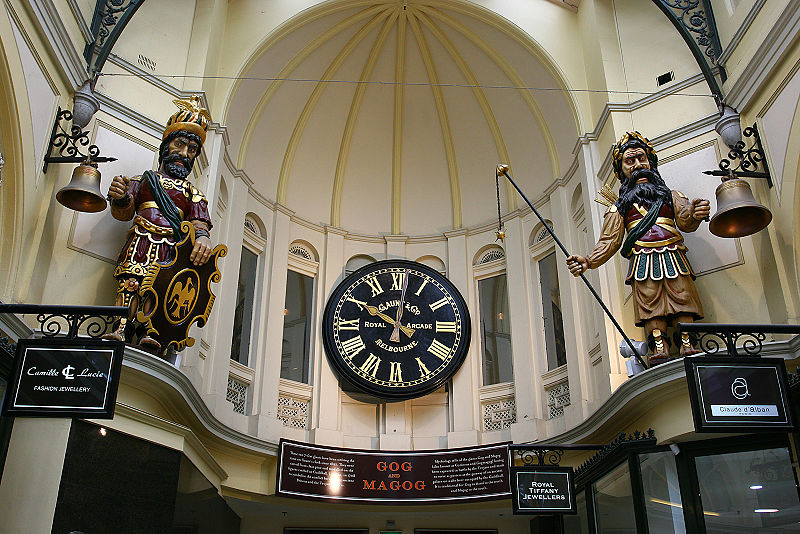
<point x="302" y="251"/>
<point x="541" y="236"/>
<point x="292" y="411"/>
<point x="491" y="255"/>
<point x="237" y="394"/>
<point x="251" y="225"/>
<point x="498" y="415"/>
<point x="557" y="399"/>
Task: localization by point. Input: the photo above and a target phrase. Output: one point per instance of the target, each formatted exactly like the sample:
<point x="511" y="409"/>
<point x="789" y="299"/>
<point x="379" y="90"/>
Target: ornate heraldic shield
<point x="179" y="293"/>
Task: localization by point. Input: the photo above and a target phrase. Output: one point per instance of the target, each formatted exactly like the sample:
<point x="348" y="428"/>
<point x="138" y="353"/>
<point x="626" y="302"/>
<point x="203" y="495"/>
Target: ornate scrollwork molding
<point x="70" y="321"/>
<point x="110" y="18"/>
<point x="694" y="20"/>
<point x="742" y="161"/>
<point x="734" y="339"/>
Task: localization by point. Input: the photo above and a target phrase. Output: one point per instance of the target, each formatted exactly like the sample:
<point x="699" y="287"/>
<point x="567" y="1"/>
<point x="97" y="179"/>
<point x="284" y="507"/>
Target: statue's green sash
<point x="165" y="204"/>
<point x="645" y="223"/>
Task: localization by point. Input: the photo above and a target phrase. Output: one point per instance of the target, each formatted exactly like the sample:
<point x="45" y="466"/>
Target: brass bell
<point x="82" y="193"/>
<point x="738" y="213"/>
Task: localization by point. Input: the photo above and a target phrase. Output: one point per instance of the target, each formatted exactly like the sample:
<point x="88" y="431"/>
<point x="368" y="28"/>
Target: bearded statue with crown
<point x="159" y="202"/>
<point x="645" y="223"/>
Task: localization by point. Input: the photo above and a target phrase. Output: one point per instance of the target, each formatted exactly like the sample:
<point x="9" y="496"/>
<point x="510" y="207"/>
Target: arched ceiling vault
<point x="390" y="116"/>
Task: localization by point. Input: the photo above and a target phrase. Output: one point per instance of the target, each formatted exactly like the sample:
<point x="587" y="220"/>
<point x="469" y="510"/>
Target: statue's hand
<point x="701" y="209"/>
<point x="201" y="251"/>
<point x="119" y="187"/>
<point x="577" y="264"/>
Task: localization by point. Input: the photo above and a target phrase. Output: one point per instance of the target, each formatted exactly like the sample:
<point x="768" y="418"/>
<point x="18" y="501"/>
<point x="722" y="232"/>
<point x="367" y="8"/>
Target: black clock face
<point x="391" y="351"/>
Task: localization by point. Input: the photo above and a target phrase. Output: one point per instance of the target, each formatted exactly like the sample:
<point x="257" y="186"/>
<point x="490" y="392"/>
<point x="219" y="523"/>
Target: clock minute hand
<point x="374" y="311"/>
<point x="396" y="332"/>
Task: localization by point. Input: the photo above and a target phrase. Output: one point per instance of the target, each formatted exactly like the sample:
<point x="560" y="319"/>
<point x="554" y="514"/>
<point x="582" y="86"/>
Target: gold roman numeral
<point x="396" y="372"/>
<point x="423" y="371"/>
<point x="373" y="283"/>
<point x="438" y="304"/>
<point x="446" y="326"/>
<point x="371" y="365"/>
<point x="353" y="346"/>
<point x="352" y="324"/>
<point x="439" y="350"/>
<point x="397" y="282"/>
<point x="361" y="303"/>
<point x="420" y="287"/>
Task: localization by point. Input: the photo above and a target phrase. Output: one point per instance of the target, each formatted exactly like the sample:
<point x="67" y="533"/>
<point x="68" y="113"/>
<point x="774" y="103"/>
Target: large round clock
<point x="396" y="329"/>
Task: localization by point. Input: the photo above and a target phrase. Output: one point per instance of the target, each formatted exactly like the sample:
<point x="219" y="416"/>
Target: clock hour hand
<point x="396" y="332"/>
<point x="374" y="311"/>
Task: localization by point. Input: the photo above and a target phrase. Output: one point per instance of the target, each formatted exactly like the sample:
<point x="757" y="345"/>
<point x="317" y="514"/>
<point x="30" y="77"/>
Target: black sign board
<point x="65" y="378"/>
<point x="403" y="477"/>
<point x="739" y="394"/>
<point x="543" y="489"/>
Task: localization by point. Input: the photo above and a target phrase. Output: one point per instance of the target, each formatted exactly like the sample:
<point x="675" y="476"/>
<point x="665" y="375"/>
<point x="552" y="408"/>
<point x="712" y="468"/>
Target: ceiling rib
<point x="287" y="70"/>
<point x="480" y="96"/>
<point x="294" y="141"/>
<point x="355" y="107"/>
<point x="441" y="109"/>
<point x="516" y="81"/>
<point x="397" y="148"/>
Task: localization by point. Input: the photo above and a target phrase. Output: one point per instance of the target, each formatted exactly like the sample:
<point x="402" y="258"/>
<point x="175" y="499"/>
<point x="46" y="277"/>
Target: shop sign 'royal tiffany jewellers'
<point x="411" y="477"/>
<point x="543" y="489"/>
<point x="65" y="378"/>
<point x="735" y="394"/>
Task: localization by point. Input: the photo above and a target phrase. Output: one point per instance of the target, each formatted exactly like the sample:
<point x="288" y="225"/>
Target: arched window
<point x="495" y="318"/>
<point x="252" y="247"/>
<point x="298" y="312"/>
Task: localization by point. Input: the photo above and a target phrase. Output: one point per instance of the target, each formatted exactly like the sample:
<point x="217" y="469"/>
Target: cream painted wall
<point x="68" y="256"/>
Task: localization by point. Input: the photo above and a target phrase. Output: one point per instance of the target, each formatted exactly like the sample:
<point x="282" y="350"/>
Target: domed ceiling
<point x="391" y="117"/>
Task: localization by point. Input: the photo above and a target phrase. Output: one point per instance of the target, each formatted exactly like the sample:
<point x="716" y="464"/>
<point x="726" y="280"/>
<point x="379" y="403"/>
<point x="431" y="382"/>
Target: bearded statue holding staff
<point x="653" y="217"/>
<point x="158" y="202"/>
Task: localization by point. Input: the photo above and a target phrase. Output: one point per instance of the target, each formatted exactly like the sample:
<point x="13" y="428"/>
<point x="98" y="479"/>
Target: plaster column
<point x="220" y="332"/>
<point x="326" y="402"/>
<point x="527" y="396"/>
<point x="32" y="474"/>
<point x="607" y="274"/>
<point x="264" y="421"/>
<point x="465" y="384"/>
<point x="577" y="359"/>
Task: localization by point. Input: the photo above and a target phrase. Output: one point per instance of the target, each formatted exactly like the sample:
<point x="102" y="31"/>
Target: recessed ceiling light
<point x="756" y="487"/>
<point x="765" y="510"/>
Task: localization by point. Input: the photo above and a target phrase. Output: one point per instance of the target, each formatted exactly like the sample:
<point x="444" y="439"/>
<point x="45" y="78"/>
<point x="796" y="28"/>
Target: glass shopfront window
<point x="578" y="523"/>
<point x="613" y="503"/>
<point x="662" y="493"/>
<point x="748" y="492"/>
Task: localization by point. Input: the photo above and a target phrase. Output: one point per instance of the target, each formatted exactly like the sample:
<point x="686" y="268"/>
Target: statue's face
<point x="180" y="156"/>
<point x="634" y="159"/>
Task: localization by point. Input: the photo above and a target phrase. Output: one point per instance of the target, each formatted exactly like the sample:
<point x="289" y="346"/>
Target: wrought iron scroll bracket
<point x="69" y="143"/>
<point x="694" y="20"/>
<point x="70" y="321"/>
<point x="742" y="160"/>
<point x="110" y="18"/>
<point x="734" y="339"/>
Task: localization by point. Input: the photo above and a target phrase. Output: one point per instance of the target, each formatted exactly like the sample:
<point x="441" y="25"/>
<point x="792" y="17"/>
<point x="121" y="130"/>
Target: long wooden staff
<point x="502" y="168"/>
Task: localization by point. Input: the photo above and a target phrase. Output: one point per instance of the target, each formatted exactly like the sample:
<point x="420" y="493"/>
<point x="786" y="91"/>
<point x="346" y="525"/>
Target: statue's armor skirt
<point x="663" y="285"/>
<point x="147" y="243"/>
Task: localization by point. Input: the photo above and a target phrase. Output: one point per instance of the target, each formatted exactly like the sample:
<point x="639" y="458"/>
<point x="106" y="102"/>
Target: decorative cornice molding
<point x="47" y="19"/>
<point x="740" y="33"/>
<point x="157" y="371"/>
<point x="127" y="115"/>
<point x="776" y="44"/>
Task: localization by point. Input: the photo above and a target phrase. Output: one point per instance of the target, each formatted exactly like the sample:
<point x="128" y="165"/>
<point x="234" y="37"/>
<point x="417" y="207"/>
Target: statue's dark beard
<point x="644" y="194"/>
<point x="174" y="169"/>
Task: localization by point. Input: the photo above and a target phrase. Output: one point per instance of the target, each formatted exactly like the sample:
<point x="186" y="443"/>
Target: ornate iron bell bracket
<point x="69" y="143"/>
<point x="743" y="160"/>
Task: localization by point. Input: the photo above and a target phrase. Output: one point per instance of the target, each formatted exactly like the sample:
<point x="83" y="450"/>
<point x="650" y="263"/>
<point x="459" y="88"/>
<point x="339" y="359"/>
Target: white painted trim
<point x="740" y="33"/>
<point x="769" y="54"/>
<point x="48" y="20"/>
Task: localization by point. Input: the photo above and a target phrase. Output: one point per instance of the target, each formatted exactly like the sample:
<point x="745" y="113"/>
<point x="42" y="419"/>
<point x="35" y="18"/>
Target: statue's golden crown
<point x="190" y="117"/>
